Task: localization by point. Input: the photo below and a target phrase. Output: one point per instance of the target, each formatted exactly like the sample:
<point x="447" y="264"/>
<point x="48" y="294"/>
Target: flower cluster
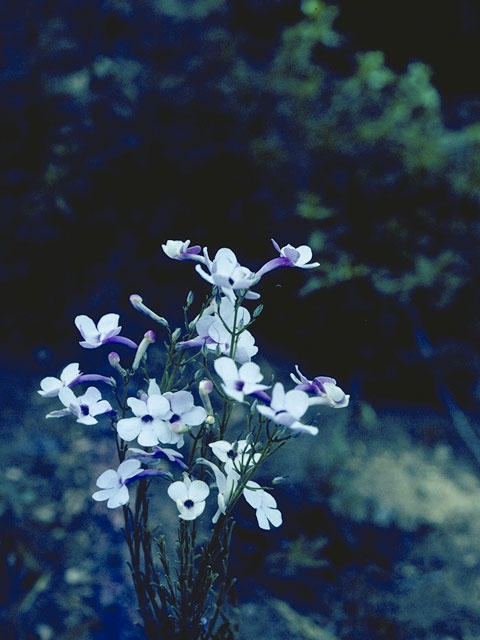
<point x="163" y="415"/>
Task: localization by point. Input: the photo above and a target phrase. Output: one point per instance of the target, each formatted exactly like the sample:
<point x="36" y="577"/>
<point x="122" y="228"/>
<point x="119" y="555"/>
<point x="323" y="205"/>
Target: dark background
<point x="352" y="127"/>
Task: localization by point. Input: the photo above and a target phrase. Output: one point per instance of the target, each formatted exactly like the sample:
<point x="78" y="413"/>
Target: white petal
<point x="86" y="326"/>
<point x="91" y="396"/>
<point x="147" y="436"/>
<point x="220" y="449"/>
<point x="50" y="387"/>
<point x="59" y="414"/>
<point x="178" y="491"/>
<point x="129" y="428"/>
<point x="226" y="369"/>
<point x="70" y="372"/>
<point x="158" y="406"/>
<point x="278" y="397"/>
<point x="128" y="468"/>
<point x="305" y="254"/>
<point x="119" y="498"/>
<point x="262" y="519"/>
<point x="194" y="417"/>
<point x="139" y="407"/>
<point x="67" y="397"/>
<point x="253" y="494"/>
<point x="180" y="401"/>
<point x="108" y="322"/>
<point x="198" y="490"/>
<point x="100" y="407"/>
<point x="153" y="388"/>
<point x="250" y="372"/>
<point x="275" y="516"/>
<point x="296" y="402"/>
<point x="87" y="420"/>
<point x="104" y="494"/>
<point x="192" y="512"/>
<point x="108" y="479"/>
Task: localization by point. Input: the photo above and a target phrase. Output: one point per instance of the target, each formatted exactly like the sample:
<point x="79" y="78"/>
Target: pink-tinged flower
<point x="189" y="496"/>
<point x="180" y="250"/>
<point x="236" y="457"/>
<point x="215" y="331"/>
<point x="289" y="257"/>
<point x="225" y="272"/>
<point x="113" y="484"/>
<point x="239" y="382"/>
<point x="104" y="332"/>
<point x="286" y="409"/>
<point x="84" y="407"/>
<point x="264" y="504"/>
<point x="225" y="484"/>
<point x="325" y="390"/>
<point x="51" y="386"/>
<point x="150" y="424"/>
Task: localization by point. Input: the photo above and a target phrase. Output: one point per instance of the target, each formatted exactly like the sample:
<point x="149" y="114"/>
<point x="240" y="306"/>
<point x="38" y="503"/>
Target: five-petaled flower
<point x="190" y="496"/>
<point x="216" y="331"/>
<point x="106" y="331"/>
<point x="239" y="382"/>
<point x="236" y="457"/>
<point x="149" y="425"/>
<point x="286" y="409"/>
<point x="83" y="407"/>
<point x="264" y="504"/>
<point x="51" y="386"/>
<point x="227" y="274"/>
<point x="325" y="390"/>
<point x="289" y="257"/>
<point x="113" y="484"/>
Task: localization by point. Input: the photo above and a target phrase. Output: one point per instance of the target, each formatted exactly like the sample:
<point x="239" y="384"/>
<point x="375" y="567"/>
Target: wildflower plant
<point x="174" y="436"/>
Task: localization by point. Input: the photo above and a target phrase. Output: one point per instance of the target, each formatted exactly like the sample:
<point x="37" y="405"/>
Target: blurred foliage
<point x="127" y="123"/>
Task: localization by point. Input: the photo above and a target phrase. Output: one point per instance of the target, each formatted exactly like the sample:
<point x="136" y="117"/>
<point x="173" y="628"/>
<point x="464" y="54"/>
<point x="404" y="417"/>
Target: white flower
<point x="264" y="505"/>
<point x="239" y="382"/>
<point x="236" y="457"/>
<point x="225" y="484"/>
<point x="184" y="414"/>
<point x="189" y="496"/>
<point x="286" y="409"/>
<point x="113" y="484"/>
<point x="51" y="386"/>
<point x="180" y="250"/>
<point x="84" y="407"/>
<point x="227" y="274"/>
<point x="325" y="390"/>
<point x="149" y="425"/>
<point x="104" y="332"/>
<point x="296" y="256"/>
<point x="215" y="331"/>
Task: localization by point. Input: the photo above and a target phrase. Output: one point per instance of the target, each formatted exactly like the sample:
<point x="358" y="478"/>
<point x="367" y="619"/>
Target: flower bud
<point x="148" y="339"/>
<point x="137" y="303"/>
<point x="209" y="420"/>
<point x="177" y="427"/>
<point x="205" y="387"/>
<point x="114" y="361"/>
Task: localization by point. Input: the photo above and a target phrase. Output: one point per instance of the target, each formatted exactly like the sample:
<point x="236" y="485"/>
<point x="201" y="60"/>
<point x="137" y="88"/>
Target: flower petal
<point x="119" y="498"/>
<point x="108" y="322"/>
<point x="129" y="428"/>
<point x="86" y="326"/>
<point x="178" y="491"/>
<point x="198" y="490"/>
<point x="108" y="479"/>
